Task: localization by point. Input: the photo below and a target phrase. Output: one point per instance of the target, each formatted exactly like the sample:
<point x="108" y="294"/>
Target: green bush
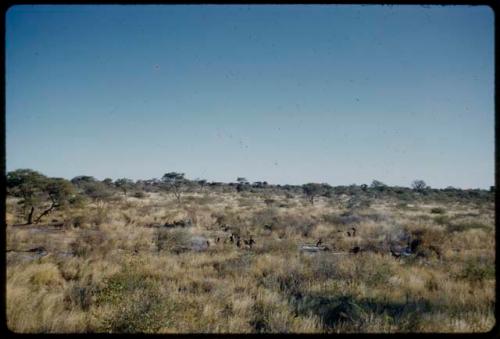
<point x="140" y="195"/>
<point x="477" y="272"/>
<point x="438" y="210"/>
<point x="136" y="305"/>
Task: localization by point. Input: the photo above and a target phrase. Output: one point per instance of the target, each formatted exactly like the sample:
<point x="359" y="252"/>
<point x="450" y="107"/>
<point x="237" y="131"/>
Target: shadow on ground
<point x="354" y="313"/>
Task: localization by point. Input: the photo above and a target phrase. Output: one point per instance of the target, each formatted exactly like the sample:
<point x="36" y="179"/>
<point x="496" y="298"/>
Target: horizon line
<point x="261" y="181"/>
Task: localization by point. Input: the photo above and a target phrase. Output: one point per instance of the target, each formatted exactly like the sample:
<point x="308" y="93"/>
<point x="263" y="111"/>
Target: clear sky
<point x="340" y="94"/>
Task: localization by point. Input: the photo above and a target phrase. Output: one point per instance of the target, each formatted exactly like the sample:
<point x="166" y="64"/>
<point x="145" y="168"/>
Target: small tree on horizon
<point x="124" y="184"/>
<point x="242" y="184"/>
<point x="92" y="188"/>
<point x="108" y="182"/>
<point x="174" y="182"/>
<point x="242" y="180"/>
<point x="419" y="185"/>
<point x="312" y="190"/>
<point x="201" y="183"/>
<point x="377" y="184"/>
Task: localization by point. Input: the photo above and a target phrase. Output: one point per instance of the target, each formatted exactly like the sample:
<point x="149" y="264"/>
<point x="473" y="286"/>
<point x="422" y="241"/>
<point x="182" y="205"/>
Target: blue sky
<point x="340" y="94"/>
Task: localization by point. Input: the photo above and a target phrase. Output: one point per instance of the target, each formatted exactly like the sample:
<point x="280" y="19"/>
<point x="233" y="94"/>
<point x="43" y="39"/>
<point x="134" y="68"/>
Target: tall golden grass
<point x="109" y="271"/>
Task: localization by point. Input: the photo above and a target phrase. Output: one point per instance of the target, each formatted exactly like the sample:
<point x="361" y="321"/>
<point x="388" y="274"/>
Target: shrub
<point x="140" y="195"/>
<point x="135" y="304"/>
<point x="46" y="274"/>
<point x="358" y="202"/>
<point x="325" y="267"/>
<point x="88" y="243"/>
<point x="298" y="224"/>
<point x="461" y="227"/>
<point x="438" y="210"/>
<point x="99" y="216"/>
<point x="39" y="194"/>
<point x="171" y="239"/>
<point x="266" y="216"/>
<point x="80" y="297"/>
<point x="332" y="310"/>
<point x="312" y="190"/>
<point x="476" y="272"/>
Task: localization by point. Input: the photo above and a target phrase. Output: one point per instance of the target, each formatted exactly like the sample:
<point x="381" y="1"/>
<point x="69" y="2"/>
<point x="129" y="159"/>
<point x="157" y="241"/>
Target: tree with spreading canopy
<point x="312" y="190"/>
<point x="39" y="192"/>
<point x="92" y="188"/>
<point x="174" y="182"/>
<point x="242" y="185"/>
<point x="378" y="185"/>
<point x="108" y="182"/>
<point x="124" y="184"/>
<point x="419" y="185"/>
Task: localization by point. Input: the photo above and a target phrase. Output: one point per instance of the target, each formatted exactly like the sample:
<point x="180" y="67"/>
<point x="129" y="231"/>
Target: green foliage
<point x="80" y="297"/>
<point x="312" y="190"/>
<point x="476" y="271"/>
<point x="39" y="192"/>
<point x="28" y="185"/>
<point x="378" y="185"/>
<point x="60" y="191"/>
<point x="175" y="183"/>
<point x="438" y="210"/>
<point x="108" y="182"/>
<point x="243" y="184"/>
<point x="92" y="188"/>
<point x="419" y="185"/>
<point x="124" y="184"/>
<point x="136" y="304"/>
<point x="242" y="180"/>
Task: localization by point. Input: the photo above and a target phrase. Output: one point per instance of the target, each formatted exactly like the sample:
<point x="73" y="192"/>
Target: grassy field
<point x="115" y="267"/>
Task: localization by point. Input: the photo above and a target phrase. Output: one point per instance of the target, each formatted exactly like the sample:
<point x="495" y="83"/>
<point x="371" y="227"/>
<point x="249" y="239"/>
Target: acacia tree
<point x="36" y="190"/>
<point x="378" y="185"/>
<point x="419" y="185"/>
<point x="59" y="191"/>
<point x="92" y="188"/>
<point x="201" y="183"/>
<point x="242" y="184"/>
<point x="124" y="184"/>
<point x="312" y="190"/>
<point x="174" y="182"/>
<point x="108" y="182"/>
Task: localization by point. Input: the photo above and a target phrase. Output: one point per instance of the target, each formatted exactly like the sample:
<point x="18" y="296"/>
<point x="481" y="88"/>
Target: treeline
<point x="40" y="195"/>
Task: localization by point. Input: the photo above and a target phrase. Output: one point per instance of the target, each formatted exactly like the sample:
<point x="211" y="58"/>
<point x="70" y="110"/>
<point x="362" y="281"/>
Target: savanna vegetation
<point x="178" y="255"/>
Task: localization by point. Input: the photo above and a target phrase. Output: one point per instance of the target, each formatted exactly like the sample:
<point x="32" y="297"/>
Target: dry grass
<point x="107" y="270"/>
